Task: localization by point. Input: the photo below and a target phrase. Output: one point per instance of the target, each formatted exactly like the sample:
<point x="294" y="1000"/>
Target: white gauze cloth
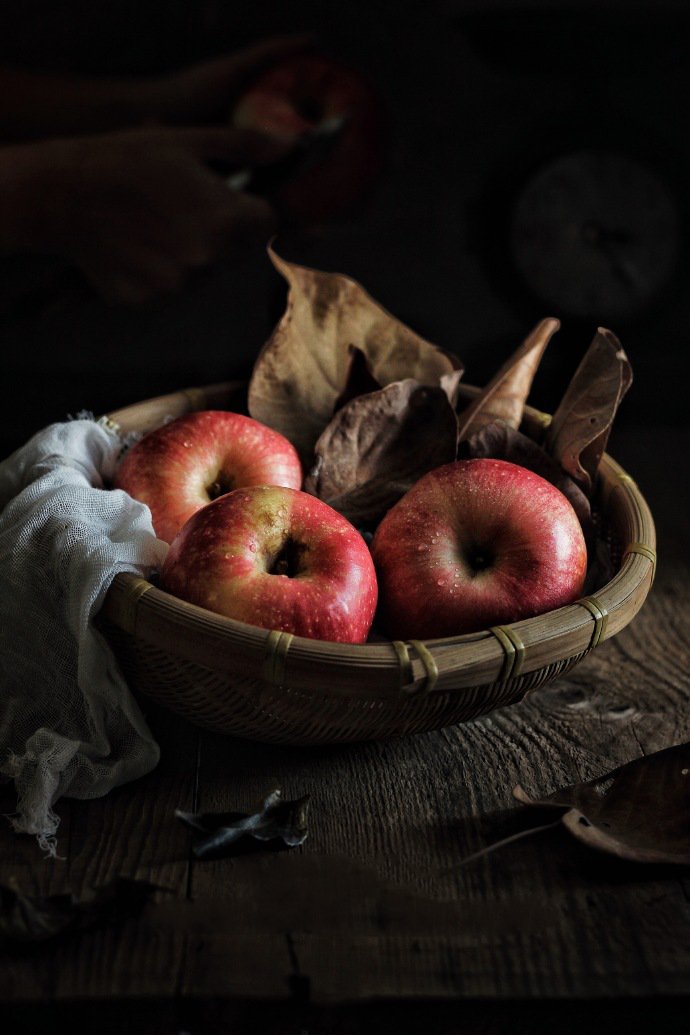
<point x="68" y="723"/>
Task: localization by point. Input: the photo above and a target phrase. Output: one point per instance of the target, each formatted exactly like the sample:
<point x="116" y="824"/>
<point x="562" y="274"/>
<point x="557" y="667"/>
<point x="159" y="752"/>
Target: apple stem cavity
<point x="479" y="560"/>
<point x="221" y="485"/>
<point x="289" y="559"/>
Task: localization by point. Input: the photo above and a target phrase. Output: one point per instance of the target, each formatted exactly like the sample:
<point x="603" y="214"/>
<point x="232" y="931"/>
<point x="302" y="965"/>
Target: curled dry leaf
<point x="380" y="444"/>
<point x="638" y="812"/>
<point x="580" y="428"/>
<point x="360" y="379"/>
<point x="505" y="395"/>
<point x="450" y="383"/>
<point x="275" y="819"/>
<point x="303" y="369"/>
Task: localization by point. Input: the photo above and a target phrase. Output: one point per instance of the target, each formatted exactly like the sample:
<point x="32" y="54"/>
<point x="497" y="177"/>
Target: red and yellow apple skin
<point x="296" y="95"/>
<point x="182" y="466"/>
<point x="277" y="558"/>
<point x="476" y="543"/>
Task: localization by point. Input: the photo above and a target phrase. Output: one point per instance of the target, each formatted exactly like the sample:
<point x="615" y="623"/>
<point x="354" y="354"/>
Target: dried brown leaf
<point x="360" y="379"/>
<point x="377" y="446"/>
<point x="580" y="428"/>
<point x="639" y="811"/>
<point x="366" y="505"/>
<point x="505" y="395"/>
<point x="303" y="369"/>
<point x="450" y="383"/>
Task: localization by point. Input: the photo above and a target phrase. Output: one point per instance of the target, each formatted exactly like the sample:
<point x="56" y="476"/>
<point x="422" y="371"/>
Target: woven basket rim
<point x="386" y="668"/>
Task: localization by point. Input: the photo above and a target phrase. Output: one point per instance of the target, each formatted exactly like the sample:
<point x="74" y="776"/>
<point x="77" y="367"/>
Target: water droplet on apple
<point x="187" y="445"/>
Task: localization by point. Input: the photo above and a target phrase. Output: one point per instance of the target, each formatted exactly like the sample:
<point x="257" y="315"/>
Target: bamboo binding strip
<point x="600" y="616"/>
<point x="514" y="650"/>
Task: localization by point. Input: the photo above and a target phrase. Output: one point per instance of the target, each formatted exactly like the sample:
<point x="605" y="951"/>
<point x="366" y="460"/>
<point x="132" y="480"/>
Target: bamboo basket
<point x="271" y="686"/>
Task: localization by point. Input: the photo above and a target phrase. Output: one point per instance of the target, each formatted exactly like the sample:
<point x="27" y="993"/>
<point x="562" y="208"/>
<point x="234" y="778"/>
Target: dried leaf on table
<point x="580" y="428"/>
<point x="36" y="918"/>
<point x="380" y="444"/>
<point x="501" y="442"/>
<point x="304" y="367"/>
<point x="505" y="395"/>
<point x="640" y="811"/>
<point x="274" y="820"/>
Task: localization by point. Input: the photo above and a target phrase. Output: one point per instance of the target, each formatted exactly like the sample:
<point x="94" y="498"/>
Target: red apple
<point x="473" y="544"/>
<point x="300" y="93"/>
<point x="277" y="558"/>
<point x="182" y="466"/>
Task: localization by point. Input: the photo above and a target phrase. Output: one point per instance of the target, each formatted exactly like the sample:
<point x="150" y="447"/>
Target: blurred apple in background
<point x="476" y="543"/>
<point x="185" y="464"/>
<point x="277" y="558"/>
<point x="303" y="93"/>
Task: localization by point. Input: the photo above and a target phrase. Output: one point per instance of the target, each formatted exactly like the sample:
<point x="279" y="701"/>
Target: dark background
<point x="475" y="95"/>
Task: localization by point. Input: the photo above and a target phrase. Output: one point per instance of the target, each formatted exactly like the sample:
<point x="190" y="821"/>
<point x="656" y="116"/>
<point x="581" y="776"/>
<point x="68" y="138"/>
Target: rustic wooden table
<point x="372" y="922"/>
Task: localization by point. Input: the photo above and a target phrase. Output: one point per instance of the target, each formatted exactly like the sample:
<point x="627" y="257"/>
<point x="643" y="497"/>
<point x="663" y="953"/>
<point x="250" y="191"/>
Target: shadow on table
<point x="472" y="1017"/>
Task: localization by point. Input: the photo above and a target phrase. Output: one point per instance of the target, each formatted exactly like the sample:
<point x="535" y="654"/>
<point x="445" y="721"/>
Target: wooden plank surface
<point x="374" y="905"/>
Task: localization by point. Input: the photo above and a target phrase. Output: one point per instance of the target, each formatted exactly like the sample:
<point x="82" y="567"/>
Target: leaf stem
<point x="500" y="844"/>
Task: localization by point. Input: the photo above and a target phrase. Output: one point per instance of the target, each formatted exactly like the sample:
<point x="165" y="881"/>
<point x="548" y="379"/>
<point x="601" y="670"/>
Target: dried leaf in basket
<point x="304" y="367"/>
<point x="450" y="383"/>
<point x="360" y="379"/>
<point x="640" y="811"/>
<point x="580" y="428"/>
<point x="37" y="918"/>
<point x="505" y="395"/>
<point x="380" y="444"/>
<point x="274" y="820"/>
<point x="501" y="442"/>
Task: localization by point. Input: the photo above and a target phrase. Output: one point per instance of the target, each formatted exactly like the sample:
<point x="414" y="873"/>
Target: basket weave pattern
<point x="256" y="710"/>
<point x="270" y="686"/>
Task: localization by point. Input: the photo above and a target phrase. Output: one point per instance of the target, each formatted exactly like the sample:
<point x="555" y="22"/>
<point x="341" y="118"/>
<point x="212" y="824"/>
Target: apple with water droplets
<point x="473" y="544"/>
<point x="185" y="464"/>
<point x="278" y="558"/>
